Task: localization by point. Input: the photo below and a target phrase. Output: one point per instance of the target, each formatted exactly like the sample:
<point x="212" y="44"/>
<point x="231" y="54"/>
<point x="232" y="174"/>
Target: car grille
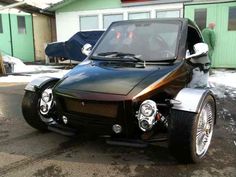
<point x="104" y="109"/>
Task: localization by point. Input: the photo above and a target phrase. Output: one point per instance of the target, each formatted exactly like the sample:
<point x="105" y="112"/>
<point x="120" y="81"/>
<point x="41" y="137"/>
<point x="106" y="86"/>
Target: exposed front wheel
<point x="190" y="134"/>
<point x="36" y="107"/>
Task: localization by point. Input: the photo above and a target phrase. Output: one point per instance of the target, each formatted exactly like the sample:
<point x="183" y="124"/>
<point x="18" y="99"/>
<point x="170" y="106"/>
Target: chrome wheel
<point x="204" y="129"/>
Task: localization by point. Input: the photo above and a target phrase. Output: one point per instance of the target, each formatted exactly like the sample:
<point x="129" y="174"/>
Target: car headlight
<point x="147" y="110"/>
<point x="46" y="97"/>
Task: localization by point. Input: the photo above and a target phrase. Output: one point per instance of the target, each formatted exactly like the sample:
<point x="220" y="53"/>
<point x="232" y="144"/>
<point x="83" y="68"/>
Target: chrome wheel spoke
<point x="204" y="130"/>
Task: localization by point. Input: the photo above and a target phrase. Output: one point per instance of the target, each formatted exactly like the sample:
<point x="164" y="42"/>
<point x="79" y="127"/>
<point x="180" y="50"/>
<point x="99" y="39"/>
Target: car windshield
<point x="147" y="40"/>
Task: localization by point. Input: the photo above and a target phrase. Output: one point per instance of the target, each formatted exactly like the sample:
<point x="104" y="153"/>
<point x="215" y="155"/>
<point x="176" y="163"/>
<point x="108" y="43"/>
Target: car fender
<point x="38" y="83"/>
<point x="191" y="99"/>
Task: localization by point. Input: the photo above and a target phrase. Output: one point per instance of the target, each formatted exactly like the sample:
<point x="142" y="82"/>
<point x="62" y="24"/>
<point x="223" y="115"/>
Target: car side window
<point x="193" y="38"/>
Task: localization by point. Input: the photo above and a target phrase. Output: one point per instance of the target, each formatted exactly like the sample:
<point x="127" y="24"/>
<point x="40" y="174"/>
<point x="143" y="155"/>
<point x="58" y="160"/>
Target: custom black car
<point x="134" y="87"/>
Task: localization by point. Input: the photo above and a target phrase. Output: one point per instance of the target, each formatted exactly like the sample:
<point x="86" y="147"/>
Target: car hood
<point x="110" y="80"/>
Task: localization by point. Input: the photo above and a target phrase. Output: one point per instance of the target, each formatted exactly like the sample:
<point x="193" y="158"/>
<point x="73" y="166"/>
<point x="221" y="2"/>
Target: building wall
<point x="44" y="32"/>
<point x="68" y="17"/>
<point x="13" y="42"/>
<point x="82" y="5"/>
<point x="224" y="55"/>
<point x="23" y="44"/>
<point x="5" y="40"/>
<point x="210" y="1"/>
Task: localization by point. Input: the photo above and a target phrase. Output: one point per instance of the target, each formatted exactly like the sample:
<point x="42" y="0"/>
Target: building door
<point x="5" y="36"/>
<point x="22" y="37"/>
<point x="224" y="15"/>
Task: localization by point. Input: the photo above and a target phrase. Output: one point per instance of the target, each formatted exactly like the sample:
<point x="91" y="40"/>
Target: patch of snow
<point x="223" y="83"/>
<point x="30" y="77"/>
<point x="18" y="66"/>
<point x="224" y="77"/>
<point x="27" y="73"/>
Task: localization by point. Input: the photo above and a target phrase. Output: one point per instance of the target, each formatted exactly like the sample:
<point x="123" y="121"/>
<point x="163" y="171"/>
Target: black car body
<point x="134" y="85"/>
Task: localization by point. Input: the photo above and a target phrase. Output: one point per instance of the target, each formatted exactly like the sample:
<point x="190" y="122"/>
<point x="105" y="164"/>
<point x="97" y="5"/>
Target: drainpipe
<point x="32" y="17"/>
<point x="10" y="30"/>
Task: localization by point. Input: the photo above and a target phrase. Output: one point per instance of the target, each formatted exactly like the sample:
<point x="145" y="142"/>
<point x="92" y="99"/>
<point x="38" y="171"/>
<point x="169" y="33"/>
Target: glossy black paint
<point x="95" y="77"/>
<point x="123" y="83"/>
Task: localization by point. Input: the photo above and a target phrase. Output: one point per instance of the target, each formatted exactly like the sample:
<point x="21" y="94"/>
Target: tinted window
<point x="88" y="22"/>
<point x="108" y="19"/>
<point x="232" y="19"/>
<point x="139" y="15"/>
<point x="150" y="40"/>
<point x="21" y="24"/>
<point x="200" y="17"/>
<point x="1" y="29"/>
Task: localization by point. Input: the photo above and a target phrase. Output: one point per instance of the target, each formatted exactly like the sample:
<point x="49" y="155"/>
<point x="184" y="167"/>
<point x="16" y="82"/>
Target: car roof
<point x="185" y="21"/>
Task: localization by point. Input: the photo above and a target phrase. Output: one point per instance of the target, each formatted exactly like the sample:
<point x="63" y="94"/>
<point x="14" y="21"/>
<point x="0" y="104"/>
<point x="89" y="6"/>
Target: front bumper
<point x="97" y="116"/>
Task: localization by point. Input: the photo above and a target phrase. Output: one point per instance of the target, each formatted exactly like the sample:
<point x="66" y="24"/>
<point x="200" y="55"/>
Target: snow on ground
<point x="25" y="78"/>
<point x="224" y="77"/>
<point x="223" y="82"/>
<point x="27" y="73"/>
<point x="18" y="66"/>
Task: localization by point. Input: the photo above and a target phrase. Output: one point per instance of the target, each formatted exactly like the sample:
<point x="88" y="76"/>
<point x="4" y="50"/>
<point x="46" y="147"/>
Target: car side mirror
<point x="86" y="49"/>
<point x="199" y="49"/>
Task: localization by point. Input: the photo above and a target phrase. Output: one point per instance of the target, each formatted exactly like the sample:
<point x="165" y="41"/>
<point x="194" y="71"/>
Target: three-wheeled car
<point x="134" y="87"/>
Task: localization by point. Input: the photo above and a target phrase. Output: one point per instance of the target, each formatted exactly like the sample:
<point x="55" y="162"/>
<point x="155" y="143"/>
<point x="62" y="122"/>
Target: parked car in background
<point x="133" y="87"/>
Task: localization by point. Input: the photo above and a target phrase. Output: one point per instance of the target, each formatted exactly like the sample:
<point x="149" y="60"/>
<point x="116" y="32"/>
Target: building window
<point x="232" y="19"/>
<point x="1" y="29"/>
<point x="139" y="15"/>
<point x="168" y="14"/>
<point x="21" y="24"/>
<point x="200" y="17"/>
<point x="108" y="19"/>
<point x="88" y="22"/>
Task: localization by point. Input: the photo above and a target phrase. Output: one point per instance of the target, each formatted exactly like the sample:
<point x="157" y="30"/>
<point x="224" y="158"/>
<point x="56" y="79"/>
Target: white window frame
<point x="89" y="15"/>
<point x="104" y="14"/>
<point x="125" y="11"/>
<point x="137" y="12"/>
<point x="180" y="12"/>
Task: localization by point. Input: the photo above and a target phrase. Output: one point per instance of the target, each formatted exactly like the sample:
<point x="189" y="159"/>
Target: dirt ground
<point x="29" y="153"/>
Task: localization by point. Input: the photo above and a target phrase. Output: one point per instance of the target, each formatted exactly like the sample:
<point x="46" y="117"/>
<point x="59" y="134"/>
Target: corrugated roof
<point x="26" y="7"/>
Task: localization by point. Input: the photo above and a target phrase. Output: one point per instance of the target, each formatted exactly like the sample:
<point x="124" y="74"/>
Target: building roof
<point x="59" y="5"/>
<point x="26" y="7"/>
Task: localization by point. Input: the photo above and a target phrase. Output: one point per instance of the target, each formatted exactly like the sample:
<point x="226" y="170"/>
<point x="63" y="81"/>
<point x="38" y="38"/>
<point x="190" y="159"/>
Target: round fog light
<point x="44" y="108"/>
<point x="46" y="97"/>
<point x="144" y="125"/>
<point x="117" y="128"/>
<point x="65" y="120"/>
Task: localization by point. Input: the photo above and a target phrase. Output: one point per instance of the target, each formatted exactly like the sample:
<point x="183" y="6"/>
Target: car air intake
<point x="104" y="109"/>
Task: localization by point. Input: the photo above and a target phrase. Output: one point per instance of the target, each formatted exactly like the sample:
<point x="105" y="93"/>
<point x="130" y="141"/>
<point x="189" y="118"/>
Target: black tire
<point x="183" y="131"/>
<point x="30" y="108"/>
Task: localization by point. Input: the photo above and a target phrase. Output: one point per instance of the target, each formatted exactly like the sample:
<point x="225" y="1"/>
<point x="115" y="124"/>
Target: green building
<point x="16" y="35"/>
<point x="25" y="30"/>
<point x="223" y="13"/>
<point x="78" y="15"/>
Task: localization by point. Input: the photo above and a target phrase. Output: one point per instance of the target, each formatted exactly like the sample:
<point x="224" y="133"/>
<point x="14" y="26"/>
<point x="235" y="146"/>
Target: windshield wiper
<point x="126" y="56"/>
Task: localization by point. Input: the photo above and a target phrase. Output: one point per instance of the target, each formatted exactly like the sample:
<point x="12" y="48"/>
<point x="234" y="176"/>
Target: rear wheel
<point x="33" y="112"/>
<point x="190" y="134"/>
